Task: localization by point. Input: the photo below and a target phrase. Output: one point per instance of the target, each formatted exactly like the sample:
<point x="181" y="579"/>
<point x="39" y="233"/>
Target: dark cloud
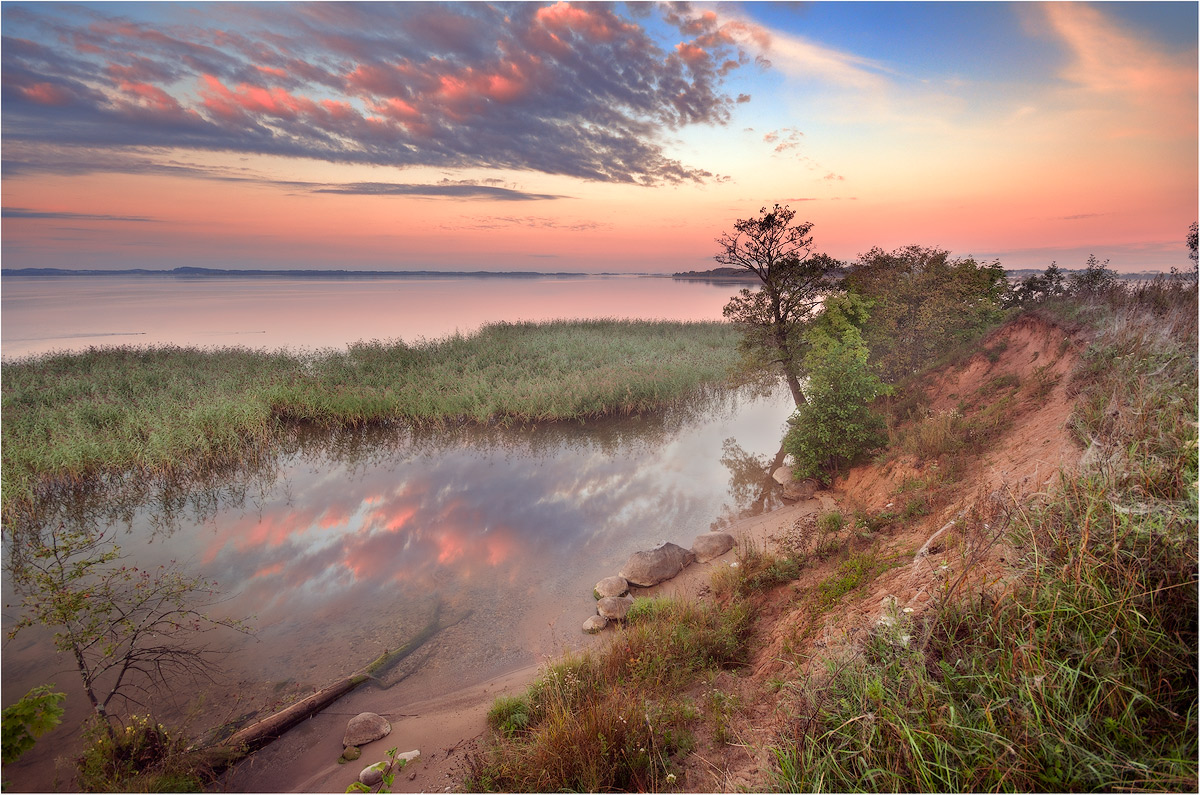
<point x="530" y="222"/>
<point x="577" y="90"/>
<point x="453" y="190"/>
<point x="19" y="212"/>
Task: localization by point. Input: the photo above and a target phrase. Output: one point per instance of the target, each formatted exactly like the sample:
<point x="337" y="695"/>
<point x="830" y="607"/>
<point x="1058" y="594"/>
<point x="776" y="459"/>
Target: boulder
<point x="651" y="568"/>
<point x="366" y="727"/>
<point x="595" y="624"/>
<point x="783" y="475"/>
<point x="614" y="608"/>
<point x="350" y="753"/>
<point x="610" y="586"/>
<point x="800" y="489"/>
<point x="711" y="545"/>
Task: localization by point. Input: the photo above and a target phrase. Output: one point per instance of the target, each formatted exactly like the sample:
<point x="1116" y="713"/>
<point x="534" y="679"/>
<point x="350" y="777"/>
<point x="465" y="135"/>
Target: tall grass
<point x="619" y="719"/>
<point x="73" y="417"/>
<point x="1082" y="673"/>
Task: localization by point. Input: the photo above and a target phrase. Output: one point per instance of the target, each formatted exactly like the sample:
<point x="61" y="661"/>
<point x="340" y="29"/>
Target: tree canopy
<point x="923" y="303"/>
<point x="777" y="250"/>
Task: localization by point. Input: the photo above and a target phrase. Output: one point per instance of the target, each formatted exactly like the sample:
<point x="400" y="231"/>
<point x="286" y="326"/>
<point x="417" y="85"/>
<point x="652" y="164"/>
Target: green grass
<point x="1080" y="673"/>
<point x="619" y="719"/>
<point x="70" y="418"/>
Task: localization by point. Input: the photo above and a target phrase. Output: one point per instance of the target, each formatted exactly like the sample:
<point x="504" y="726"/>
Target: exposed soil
<point x="797" y="638"/>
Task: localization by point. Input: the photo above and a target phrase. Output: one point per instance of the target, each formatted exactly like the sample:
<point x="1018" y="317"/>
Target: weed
<point x="143" y="756"/>
<point x="616" y="720"/>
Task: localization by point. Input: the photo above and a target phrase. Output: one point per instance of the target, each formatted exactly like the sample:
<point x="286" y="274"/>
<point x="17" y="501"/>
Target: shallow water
<point x="41" y="314"/>
<point x="345" y="545"/>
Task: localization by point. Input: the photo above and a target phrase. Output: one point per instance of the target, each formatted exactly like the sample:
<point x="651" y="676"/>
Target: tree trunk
<point x="794" y="384"/>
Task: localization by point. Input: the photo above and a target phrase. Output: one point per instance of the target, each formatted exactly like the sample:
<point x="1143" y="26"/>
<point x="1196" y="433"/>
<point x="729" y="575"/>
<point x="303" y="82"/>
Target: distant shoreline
<point x="202" y="273"/>
<point x="715" y="276"/>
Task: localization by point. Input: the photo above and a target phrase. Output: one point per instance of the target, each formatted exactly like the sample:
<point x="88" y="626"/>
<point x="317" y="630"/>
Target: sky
<point x="592" y="137"/>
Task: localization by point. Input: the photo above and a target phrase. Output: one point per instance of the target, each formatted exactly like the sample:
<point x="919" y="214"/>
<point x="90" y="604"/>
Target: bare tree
<point x="777" y="251"/>
<point x="128" y="629"/>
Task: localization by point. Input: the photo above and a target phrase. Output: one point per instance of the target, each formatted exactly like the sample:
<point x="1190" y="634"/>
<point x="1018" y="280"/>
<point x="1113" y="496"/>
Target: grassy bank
<point x="619" y="719"/>
<point x="168" y="410"/>
<point x="1074" y="670"/>
<point x="1081" y="674"/>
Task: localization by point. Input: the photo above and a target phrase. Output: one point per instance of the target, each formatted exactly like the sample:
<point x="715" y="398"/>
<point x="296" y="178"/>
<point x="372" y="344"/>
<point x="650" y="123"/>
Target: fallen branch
<point x="250" y="739"/>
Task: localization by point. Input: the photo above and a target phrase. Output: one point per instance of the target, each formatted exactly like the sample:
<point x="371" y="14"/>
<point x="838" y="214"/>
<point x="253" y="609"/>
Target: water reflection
<point x="343" y="544"/>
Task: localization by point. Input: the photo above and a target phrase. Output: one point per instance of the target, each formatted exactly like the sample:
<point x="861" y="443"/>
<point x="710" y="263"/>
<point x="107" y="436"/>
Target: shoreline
<point x="448" y="727"/>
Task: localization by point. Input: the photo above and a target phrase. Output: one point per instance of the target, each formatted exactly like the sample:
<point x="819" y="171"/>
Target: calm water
<point x="42" y="314"/>
<point x="345" y="545"/>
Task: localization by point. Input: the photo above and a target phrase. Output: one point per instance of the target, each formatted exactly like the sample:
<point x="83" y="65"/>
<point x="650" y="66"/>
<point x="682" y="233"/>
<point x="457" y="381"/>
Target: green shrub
<point x="836" y="426"/>
<point x="142" y="756"/>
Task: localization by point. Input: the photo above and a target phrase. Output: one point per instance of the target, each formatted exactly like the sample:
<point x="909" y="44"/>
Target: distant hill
<point x="721" y="274"/>
<point x="200" y="273"/>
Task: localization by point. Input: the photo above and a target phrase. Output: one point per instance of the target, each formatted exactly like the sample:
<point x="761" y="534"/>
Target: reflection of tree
<point x="750" y="484"/>
<point x="130" y="631"/>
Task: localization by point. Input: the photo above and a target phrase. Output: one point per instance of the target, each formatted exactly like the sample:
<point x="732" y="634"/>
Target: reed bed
<point x="73" y="417"/>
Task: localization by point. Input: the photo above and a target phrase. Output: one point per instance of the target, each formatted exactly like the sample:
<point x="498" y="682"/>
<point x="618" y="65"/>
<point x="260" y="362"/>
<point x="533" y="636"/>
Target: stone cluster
<point x="648" y="568"/>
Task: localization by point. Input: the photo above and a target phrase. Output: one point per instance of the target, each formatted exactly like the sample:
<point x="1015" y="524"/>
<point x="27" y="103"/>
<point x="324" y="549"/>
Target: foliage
<point x="836" y="425"/>
<point x="777" y="251"/>
<point x="1095" y="278"/>
<point x="1079" y="672"/>
<point x="1193" y="239"/>
<point x="142" y="756"/>
<point x="1038" y="287"/>
<point x="923" y="304"/>
<point x="169" y="411"/>
<point x="127" y="629"/>
<point x="34" y="714"/>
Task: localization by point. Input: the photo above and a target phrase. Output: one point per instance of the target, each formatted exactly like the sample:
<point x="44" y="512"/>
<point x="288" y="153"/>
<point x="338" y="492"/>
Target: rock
<point x="351" y="753"/>
<point x="610" y="586"/>
<point x="614" y="608"/>
<point x="711" y="545"/>
<point x="794" y="489"/>
<point x="595" y="624"/>
<point x="366" y="727"/>
<point x="651" y="568"/>
<point x="800" y="489"/>
<point x="372" y="774"/>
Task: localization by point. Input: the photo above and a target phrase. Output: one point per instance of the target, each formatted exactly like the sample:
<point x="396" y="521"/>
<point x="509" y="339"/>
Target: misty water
<point x="345" y="545"/>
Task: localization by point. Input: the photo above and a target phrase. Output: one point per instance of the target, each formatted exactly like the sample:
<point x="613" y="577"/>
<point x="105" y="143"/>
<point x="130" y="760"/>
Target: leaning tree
<point x="794" y="282"/>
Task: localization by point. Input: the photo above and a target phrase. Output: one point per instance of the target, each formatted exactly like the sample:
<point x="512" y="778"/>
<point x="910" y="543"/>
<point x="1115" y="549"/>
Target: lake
<point x="40" y="314"/>
<point x="345" y="544"/>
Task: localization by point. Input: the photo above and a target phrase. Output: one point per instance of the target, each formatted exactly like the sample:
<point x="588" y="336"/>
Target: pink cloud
<point x="46" y="94"/>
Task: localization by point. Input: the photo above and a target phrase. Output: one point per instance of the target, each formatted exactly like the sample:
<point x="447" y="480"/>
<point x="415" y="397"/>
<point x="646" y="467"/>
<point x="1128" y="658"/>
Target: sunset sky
<point x="592" y="137"/>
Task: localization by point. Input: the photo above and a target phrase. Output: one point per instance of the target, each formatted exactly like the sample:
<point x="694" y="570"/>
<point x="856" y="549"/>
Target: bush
<point x="142" y="756"/>
<point x="836" y="425"/>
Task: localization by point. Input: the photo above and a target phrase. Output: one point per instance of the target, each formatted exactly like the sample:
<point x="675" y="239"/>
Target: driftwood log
<point x="216" y="758"/>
